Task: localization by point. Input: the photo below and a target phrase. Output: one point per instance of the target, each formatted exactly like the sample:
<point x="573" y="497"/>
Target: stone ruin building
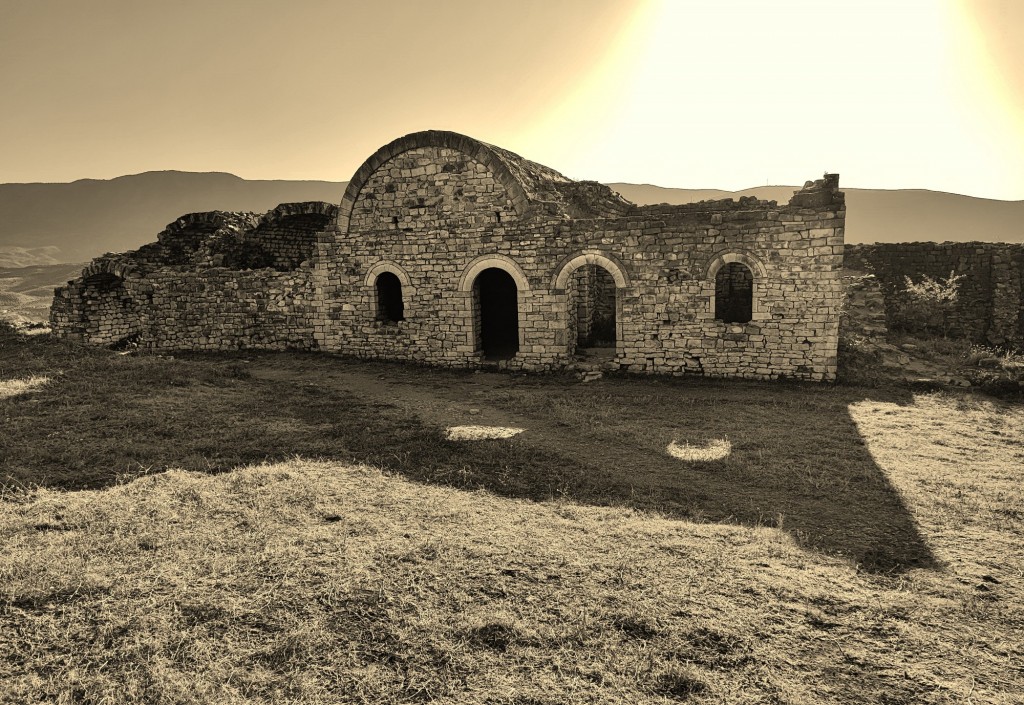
<point x="448" y="251"/>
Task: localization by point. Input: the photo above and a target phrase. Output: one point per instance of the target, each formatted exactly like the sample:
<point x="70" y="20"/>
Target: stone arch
<point x="208" y="222"/>
<point x="559" y="283"/>
<point x="574" y="262"/>
<point x="106" y="309"/>
<point x="406" y="289"/>
<point x="387" y="266"/>
<point x="723" y="258"/>
<point x="288" y="210"/>
<point x="120" y="270"/>
<point x="483" y="262"/>
<point x="758" y="309"/>
<point x="481" y="152"/>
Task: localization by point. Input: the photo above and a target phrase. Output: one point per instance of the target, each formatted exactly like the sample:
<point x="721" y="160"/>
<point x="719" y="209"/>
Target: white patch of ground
<point x="476" y="433"/>
<point x="14" y="387"/>
<point x="712" y="450"/>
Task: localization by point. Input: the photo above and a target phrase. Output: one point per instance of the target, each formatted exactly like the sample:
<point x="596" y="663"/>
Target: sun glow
<point x="736" y="93"/>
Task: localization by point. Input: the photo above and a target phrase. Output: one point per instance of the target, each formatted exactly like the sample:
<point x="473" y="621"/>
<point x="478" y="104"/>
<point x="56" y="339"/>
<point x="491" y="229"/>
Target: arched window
<point x="390" y="308"/>
<point x="734" y="293"/>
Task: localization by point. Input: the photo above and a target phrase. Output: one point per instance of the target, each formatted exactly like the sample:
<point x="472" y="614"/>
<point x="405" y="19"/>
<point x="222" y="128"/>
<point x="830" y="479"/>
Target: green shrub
<point x="928" y="306"/>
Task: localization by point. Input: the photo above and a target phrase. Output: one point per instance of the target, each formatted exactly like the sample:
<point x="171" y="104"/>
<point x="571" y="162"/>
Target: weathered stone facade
<point x="494" y="260"/>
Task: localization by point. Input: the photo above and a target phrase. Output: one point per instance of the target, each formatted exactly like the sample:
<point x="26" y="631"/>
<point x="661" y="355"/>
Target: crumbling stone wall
<point x="112" y="314"/>
<point x="990" y="306"/>
<point x="211" y="309"/>
<point x="287" y="235"/>
<point x="176" y="294"/>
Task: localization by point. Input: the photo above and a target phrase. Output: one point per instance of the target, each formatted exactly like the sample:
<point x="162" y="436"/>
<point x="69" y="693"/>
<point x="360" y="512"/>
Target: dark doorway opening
<point x="497" y="308"/>
<point x="390" y="308"/>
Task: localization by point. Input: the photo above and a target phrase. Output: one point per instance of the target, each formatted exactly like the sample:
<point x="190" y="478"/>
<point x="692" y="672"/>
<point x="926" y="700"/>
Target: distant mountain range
<point x="54" y="223"/>
<point x="86" y="218"/>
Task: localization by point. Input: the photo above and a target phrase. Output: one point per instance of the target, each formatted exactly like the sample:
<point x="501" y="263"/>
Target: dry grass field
<point x="300" y="528"/>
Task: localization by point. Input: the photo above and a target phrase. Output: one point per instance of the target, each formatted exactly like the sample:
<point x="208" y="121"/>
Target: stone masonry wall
<point x="212" y="309"/>
<point x="990" y="307"/>
<point x="220" y="309"/>
<point x="288" y="234"/>
<point x="113" y="311"/>
<point x="666" y="256"/>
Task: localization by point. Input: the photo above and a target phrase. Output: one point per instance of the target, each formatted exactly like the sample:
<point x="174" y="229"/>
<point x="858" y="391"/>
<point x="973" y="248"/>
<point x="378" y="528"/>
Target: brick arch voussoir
<point x="218" y="218"/>
<point x="121" y="270"/>
<point x="496" y="261"/>
<point x="574" y="261"/>
<point x="382" y="266"/>
<point x="288" y="210"/>
<point x="472" y="148"/>
<point x="725" y="257"/>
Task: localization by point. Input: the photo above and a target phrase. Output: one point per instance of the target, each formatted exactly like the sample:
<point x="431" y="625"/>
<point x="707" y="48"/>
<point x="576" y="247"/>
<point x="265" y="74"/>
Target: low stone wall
<point x="221" y="309"/>
<point x="990" y="306"/>
<point x="211" y="309"/>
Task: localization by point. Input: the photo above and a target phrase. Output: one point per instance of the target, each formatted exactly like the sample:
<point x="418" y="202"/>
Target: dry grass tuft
<point x="679" y="684"/>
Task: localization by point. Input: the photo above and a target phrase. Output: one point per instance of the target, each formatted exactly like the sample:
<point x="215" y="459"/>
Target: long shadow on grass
<point x="797" y="460"/>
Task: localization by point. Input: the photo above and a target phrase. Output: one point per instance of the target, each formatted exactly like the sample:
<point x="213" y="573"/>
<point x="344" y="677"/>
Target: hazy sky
<point x="687" y="93"/>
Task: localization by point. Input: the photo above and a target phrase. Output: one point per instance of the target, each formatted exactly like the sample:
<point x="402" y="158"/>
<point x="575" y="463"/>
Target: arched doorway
<point x="496" y="303"/>
<point x="593" y="283"/>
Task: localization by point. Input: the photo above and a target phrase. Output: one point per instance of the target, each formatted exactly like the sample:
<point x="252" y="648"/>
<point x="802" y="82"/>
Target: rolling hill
<point x="74" y="222"/>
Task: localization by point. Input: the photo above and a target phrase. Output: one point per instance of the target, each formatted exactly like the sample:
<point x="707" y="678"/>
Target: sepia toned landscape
<point x="494" y="376"/>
